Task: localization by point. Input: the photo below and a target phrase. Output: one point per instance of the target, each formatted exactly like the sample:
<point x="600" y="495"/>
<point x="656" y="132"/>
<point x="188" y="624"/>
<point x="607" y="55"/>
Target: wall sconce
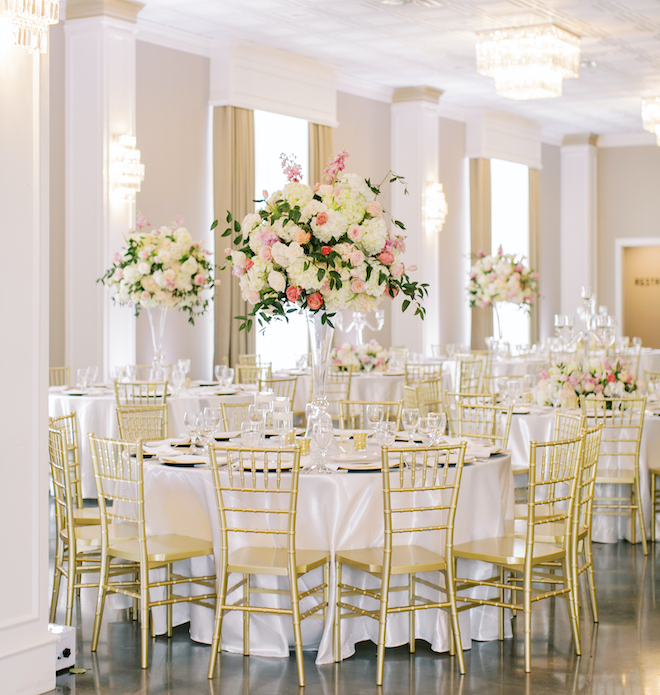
<point x="651" y="116"/>
<point x="435" y="208"/>
<point x="30" y="20"/>
<point x="126" y="171"/>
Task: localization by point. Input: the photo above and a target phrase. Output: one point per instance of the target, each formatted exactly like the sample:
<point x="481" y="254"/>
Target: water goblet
<point x="410" y="421"/>
<point x="386" y="432"/>
<point x="81" y="377"/>
<point x="250" y="435"/>
<point x="637" y="343"/>
<point x="214" y="416"/>
<point x="184" y="364"/>
<point x="513" y="390"/>
<point x="228" y="378"/>
<point x="323" y="435"/>
<point x="283" y="425"/>
<point x="256" y="416"/>
<point x="220" y="371"/>
<point x="554" y="393"/>
<point x="428" y="426"/>
<point x="375" y="413"/>
<point x="92" y="375"/>
<point x="177" y="380"/>
<point x="192" y="424"/>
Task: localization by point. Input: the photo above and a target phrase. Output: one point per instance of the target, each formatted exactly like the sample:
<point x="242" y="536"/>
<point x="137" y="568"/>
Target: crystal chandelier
<point x="651" y="116"/>
<point x="127" y="172"/>
<point x="30" y="20"/>
<point x="528" y="62"/>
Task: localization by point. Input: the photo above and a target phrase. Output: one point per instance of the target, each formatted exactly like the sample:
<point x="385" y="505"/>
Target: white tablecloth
<point x="98" y="414"/>
<point x="338" y="511"/>
<point x="649" y="360"/>
<point x="605" y="529"/>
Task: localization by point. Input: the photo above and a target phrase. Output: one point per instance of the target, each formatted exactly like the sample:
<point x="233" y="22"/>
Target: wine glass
<point x="92" y="375"/>
<point x="250" y="434"/>
<point x="192" y="424"/>
<point x="554" y="393"/>
<point x="220" y="372"/>
<point x="214" y="416"/>
<point x="256" y="417"/>
<point x="375" y="413"/>
<point x="386" y="432"/>
<point x="323" y="434"/>
<point x="81" y="377"/>
<point x="283" y="424"/>
<point x="428" y="426"/>
<point x="410" y="421"/>
<point x="637" y="343"/>
<point x="229" y="377"/>
<point x="513" y="390"/>
<point x="177" y="380"/>
<point x="184" y="364"/>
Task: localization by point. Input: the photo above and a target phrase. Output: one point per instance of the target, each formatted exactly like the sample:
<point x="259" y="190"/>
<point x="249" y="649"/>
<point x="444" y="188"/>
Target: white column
<point x="579" y="252"/>
<point x="415" y="134"/>
<point x="100" y="103"/>
<point x="27" y="650"/>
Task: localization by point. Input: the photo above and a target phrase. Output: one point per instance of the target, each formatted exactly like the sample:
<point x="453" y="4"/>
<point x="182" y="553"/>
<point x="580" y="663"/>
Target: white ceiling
<point x="410" y="45"/>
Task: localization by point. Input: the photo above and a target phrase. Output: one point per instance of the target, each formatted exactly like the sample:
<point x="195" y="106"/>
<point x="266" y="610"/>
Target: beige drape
<point x="321" y="148"/>
<point x="233" y="189"/>
<point x="482" y="319"/>
<point x="534" y="243"/>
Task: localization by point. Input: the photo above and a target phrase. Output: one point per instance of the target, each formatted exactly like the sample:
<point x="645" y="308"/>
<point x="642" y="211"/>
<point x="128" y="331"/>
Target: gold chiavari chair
<point x="77" y="543"/>
<point x="234" y="414"/>
<point x="141" y="392"/>
<point x="420" y="472"/>
<point x="655" y="498"/>
<point x="252" y="374"/>
<point x="258" y="494"/>
<point x="623" y="422"/>
<point x="145" y="422"/>
<point x="119" y="475"/>
<point x="422" y="371"/>
<point x="490" y="424"/>
<point x="486" y="357"/>
<point x="250" y="359"/>
<point x="143" y="372"/>
<point x="352" y="414"/>
<point x="59" y="376"/>
<point x="429" y="397"/>
<point x="410" y="399"/>
<point x="338" y="387"/>
<point x="581" y="549"/>
<point x="68" y="424"/>
<point x="469" y="371"/>
<point x="452" y="400"/>
<point x="282" y="388"/>
<point x="652" y="377"/>
<point x="554" y="469"/>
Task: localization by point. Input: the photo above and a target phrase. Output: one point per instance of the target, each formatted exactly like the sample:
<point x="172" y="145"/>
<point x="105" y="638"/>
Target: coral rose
<point x="292" y="293"/>
<point x="391" y="291"/>
<point x="321" y="218"/>
<point x="386" y="258"/>
<point x="248" y="263"/>
<point x="315" y="301"/>
<point x="326" y="250"/>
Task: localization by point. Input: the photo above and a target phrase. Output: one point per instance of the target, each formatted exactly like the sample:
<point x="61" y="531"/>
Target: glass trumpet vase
<point x="157" y="316"/>
<point x="320" y="342"/>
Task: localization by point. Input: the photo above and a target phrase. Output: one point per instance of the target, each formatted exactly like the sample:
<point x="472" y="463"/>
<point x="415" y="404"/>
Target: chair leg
<point x="71" y="583"/>
<point x="246" y="616"/>
<point x="653" y="506"/>
<point x="572" y="601"/>
<point x="450" y="585"/>
<point x="411" y="614"/>
<point x="169" y="598"/>
<point x="591" y="579"/>
<point x="57" y="578"/>
<point x="100" y="599"/>
<point x="337" y="623"/>
<point x="144" y="616"/>
<point x="500" y="611"/>
<point x="382" y="622"/>
<point x="297" y="633"/>
<point x="221" y="592"/>
<point x="326" y="589"/>
<point x="527" y="610"/>
<point x="640" y="512"/>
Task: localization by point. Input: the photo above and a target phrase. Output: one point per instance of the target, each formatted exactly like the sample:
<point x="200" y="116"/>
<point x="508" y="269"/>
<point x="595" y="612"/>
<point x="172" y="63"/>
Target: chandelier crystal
<point x="127" y="172"/>
<point x="30" y="20"/>
<point x="528" y="62"/>
<point x="651" y="116"/>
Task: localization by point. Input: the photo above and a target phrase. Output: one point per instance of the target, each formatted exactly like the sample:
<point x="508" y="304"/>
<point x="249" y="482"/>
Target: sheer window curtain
<point x="320" y="150"/>
<point x="233" y="189"/>
<point x="534" y="243"/>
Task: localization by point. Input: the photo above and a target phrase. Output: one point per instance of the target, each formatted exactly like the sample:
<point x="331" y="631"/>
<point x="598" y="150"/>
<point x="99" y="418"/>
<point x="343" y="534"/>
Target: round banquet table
<point x="335" y="512"/>
<point x="538" y="426"/>
<point x="97" y="413"/>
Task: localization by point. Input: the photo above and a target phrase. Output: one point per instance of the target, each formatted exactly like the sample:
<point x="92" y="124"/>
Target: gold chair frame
<point x="619" y="416"/>
<point x="233" y="414"/>
<point x="451" y="401"/>
<point x="145" y="422"/>
<point x="59" y="376"/>
<point x="430" y="469"/>
<point x="469" y="371"/>
<point x="141" y="392"/>
<point x="655" y="498"/>
<point x="281" y="387"/>
<point x="430" y="397"/>
<point x="119" y="475"/>
<point x="422" y="371"/>
<point x="253" y="373"/>
<point x="253" y="477"/>
<point x="352" y="414"/>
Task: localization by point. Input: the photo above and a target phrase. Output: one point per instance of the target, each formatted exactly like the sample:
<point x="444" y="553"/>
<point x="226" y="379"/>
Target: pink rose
<point x="146" y="295"/>
<point x="481" y="254"/>
<point x="118" y="274"/>
<point x="354" y="233"/>
<point x="228" y="251"/>
<point x="252" y="296"/>
<point x="321" y="218"/>
<point x="325" y="288"/>
<point x="356" y="257"/>
<point x="316" y="187"/>
<point x="315" y="301"/>
<point x="292" y="293"/>
<point x="357" y="286"/>
<point x="374" y="208"/>
<point x="336" y="192"/>
<point x="519" y="268"/>
<point x="611" y="378"/>
<point x="326" y="250"/>
<point x="199" y="279"/>
<point x="391" y="291"/>
<point x="248" y="263"/>
<point x="237" y="271"/>
<point x="386" y="258"/>
<point x="301" y="236"/>
<point x="265" y="253"/>
<point x="544" y="374"/>
<point x="397" y="269"/>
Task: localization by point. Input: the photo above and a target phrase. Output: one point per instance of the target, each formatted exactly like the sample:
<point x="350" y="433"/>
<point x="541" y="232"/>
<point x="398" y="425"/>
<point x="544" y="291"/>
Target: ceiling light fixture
<point x="651" y="116"/>
<point x="127" y="172"/>
<point x="435" y="208"/>
<point x="30" y="20"/>
<point x="421" y="3"/>
<point x="528" y="62"/>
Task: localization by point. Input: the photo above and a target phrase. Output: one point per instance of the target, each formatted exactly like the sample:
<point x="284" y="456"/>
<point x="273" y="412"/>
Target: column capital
<point x="118" y="9"/>
<point x="580" y="139"/>
<point x="428" y="94"/>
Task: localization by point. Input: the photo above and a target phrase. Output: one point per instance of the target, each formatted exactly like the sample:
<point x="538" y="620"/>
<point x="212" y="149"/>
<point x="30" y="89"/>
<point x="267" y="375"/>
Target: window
<point x="509" y="195"/>
<point x="280" y="343"/>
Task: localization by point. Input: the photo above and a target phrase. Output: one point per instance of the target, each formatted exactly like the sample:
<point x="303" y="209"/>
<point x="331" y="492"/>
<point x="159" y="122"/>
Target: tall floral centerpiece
<point x="158" y="270"/>
<point x="365" y="357"/>
<point x="501" y="277"/>
<point x="321" y="248"/>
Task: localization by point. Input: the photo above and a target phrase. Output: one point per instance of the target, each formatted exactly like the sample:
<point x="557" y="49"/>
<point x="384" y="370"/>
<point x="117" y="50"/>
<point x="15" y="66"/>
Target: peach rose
<point x="301" y="236"/>
<point x="315" y="301"/>
<point x="357" y="286"/>
<point x="292" y="293"/>
<point x="374" y="208"/>
<point x="265" y="253"/>
<point x="397" y="269"/>
<point x="356" y="257"/>
<point x="248" y="263"/>
<point x="252" y="296"/>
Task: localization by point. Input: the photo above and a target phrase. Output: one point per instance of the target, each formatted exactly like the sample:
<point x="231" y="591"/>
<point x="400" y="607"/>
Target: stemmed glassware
<point x="177" y="380"/>
<point x="410" y="421"/>
<point x="256" y="418"/>
<point x="386" y="432"/>
<point x="184" y="365"/>
<point x="219" y="372"/>
<point x="513" y="390"/>
<point x="428" y="427"/>
<point x="374" y="413"/>
<point x="193" y="423"/>
<point x="323" y="435"/>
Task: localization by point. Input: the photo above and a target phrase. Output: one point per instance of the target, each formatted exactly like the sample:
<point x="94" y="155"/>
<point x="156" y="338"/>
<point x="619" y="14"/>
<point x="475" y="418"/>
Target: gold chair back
<point x="490" y="424"/>
<point x="452" y="400"/>
<point x="63" y="484"/>
<point x="234" y="414"/>
<point x="281" y="388"/>
<point x="429" y="397"/>
<point x="422" y="371"/>
<point x="469" y="371"/>
<point x="145" y="422"/>
<point x="352" y="414"/>
<point x="143" y="372"/>
<point x="567" y="425"/>
<point x="486" y="357"/>
<point x="252" y="373"/>
<point x="68" y="425"/>
<point x="59" y="376"/>
<point x="141" y="392"/>
<point x="410" y="398"/>
<point x="250" y="360"/>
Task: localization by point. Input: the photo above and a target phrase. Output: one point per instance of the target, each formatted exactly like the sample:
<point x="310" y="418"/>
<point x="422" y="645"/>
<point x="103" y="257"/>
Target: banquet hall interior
<point x="161" y="116"/>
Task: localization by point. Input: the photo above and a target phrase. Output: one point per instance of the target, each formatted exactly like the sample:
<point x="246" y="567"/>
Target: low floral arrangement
<point x="163" y="267"/>
<point x="323" y="248"/>
<point x="565" y="383"/>
<point x="501" y="277"/>
<point x="367" y="357"/>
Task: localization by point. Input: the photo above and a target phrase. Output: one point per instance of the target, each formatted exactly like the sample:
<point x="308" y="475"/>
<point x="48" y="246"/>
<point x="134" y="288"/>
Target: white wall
<point x="364" y="130"/>
<point x="549" y="246"/>
<point x="628" y="205"/>
<point x="173" y="135"/>
<point x="27" y="654"/>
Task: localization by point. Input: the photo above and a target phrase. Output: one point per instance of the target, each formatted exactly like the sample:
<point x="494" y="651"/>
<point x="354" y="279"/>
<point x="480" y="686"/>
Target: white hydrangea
<point x="250" y="221"/>
<point x="297" y="194"/>
<point x="312" y="208"/>
<point x="334" y="227"/>
<point x="307" y="279"/>
<point x="189" y="266"/>
<point x="374" y="236"/>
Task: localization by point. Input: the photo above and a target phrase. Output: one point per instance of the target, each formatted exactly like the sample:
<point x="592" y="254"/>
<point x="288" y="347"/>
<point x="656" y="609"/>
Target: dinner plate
<point x="184" y="460"/>
<point x="521" y="411"/>
<point x="351" y="457"/>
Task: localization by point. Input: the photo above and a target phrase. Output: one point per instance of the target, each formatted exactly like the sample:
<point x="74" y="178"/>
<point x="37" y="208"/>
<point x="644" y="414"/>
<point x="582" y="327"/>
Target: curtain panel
<point x="534" y="244"/>
<point x="321" y="148"/>
<point x="233" y="190"/>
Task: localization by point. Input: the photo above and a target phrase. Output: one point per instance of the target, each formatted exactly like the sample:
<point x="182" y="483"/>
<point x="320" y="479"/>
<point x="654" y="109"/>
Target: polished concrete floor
<point x="620" y="656"/>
